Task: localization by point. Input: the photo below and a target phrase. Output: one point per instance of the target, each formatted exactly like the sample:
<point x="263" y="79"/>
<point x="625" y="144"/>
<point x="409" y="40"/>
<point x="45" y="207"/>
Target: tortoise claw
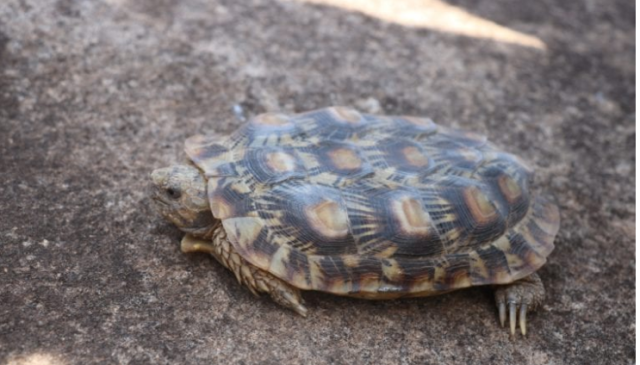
<point x="300" y="309"/>
<point x="523" y="319"/>
<point x="520" y="297"/>
<point x="512" y="318"/>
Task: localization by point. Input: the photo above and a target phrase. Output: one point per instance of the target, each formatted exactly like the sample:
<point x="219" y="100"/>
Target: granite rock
<point x="96" y="94"/>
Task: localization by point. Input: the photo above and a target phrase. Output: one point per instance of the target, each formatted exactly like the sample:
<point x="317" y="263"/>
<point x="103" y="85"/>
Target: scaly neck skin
<point x="214" y="242"/>
<point x="205" y="233"/>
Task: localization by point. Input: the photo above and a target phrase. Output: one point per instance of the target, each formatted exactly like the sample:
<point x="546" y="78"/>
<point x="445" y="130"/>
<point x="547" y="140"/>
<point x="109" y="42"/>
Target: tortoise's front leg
<point x="258" y="281"/>
<point x="523" y="295"/>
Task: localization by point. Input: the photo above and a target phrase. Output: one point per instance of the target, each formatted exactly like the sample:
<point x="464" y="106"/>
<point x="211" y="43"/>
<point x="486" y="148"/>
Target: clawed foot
<point x="519" y="298"/>
<point x="281" y="292"/>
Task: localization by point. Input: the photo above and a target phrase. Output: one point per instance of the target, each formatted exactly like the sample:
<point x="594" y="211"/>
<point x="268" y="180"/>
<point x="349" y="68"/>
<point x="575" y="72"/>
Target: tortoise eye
<point x="173" y="193"/>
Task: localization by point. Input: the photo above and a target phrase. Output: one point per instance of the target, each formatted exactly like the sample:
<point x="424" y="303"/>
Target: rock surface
<point x="96" y="94"/>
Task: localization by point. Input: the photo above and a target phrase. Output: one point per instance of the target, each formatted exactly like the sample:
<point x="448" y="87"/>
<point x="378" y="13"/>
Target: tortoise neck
<point x="209" y="232"/>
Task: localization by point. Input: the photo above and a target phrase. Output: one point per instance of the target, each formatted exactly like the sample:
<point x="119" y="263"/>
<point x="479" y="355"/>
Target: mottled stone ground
<point x="95" y="94"/>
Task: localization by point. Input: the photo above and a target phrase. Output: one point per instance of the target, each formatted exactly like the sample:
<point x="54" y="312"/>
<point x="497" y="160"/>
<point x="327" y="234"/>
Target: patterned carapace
<point x="374" y="206"/>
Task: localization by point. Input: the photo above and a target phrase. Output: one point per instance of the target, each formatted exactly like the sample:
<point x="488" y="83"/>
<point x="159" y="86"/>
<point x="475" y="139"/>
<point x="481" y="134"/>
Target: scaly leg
<point x="523" y="295"/>
<point x="257" y="280"/>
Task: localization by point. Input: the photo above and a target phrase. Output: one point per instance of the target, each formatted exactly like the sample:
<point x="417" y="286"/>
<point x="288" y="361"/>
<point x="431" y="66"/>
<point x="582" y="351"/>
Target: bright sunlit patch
<point x="35" y="359"/>
<point x="437" y="15"/>
<point x="117" y="2"/>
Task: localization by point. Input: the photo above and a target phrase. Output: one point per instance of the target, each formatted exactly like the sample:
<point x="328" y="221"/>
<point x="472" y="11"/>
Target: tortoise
<point x="374" y="207"/>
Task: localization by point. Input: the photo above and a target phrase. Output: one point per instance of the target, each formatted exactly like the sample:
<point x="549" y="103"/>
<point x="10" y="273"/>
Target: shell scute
<point x="460" y="137"/>
<point x="211" y="154"/>
<point x="311" y="218"/>
<point x="390" y="220"/>
<point x="508" y="181"/>
<point x="229" y="198"/>
<point x="337" y="163"/>
<point x="270" y="165"/>
<point x="405" y="156"/>
<point x="463" y="211"/>
<point x="333" y="124"/>
<point x="269" y="129"/>
<point x="412" y="127"/>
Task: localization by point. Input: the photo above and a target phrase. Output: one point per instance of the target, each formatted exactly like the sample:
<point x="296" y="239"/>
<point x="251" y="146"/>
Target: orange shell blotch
<point x="271" y="119"/>
<point x="281" y="162"/>
<point x="328" y="218"/>
<point x="509" y="188"/>
<point x="480" y="207"/>
<point x="414" y="157"/>
<point x="413" y="219"/>
<point x="345" y="159"/>
<point x="347" y="115"/>
<point x="392" y="271"/>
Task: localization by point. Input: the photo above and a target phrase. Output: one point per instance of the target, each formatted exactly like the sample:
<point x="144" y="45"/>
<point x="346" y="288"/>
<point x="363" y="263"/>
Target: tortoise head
<point x="180" y="195"/>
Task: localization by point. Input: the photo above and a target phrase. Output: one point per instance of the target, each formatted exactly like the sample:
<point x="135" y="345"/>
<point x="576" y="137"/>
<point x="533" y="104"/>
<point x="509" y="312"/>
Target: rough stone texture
<point x="95" y="94"/>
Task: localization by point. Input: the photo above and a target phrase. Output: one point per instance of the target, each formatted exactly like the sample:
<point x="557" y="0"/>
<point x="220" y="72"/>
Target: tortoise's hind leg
<point x="257" y="280"/>
<point x="281" y="292"/>
<point x="521" y="296"/>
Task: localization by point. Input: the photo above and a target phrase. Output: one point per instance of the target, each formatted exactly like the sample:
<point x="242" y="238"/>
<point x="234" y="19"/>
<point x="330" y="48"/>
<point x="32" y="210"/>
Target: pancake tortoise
<point x="374" y="207"/>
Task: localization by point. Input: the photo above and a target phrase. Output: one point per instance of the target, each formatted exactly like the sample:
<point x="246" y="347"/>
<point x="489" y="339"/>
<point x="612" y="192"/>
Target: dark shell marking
<point x="376" y="207"/>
